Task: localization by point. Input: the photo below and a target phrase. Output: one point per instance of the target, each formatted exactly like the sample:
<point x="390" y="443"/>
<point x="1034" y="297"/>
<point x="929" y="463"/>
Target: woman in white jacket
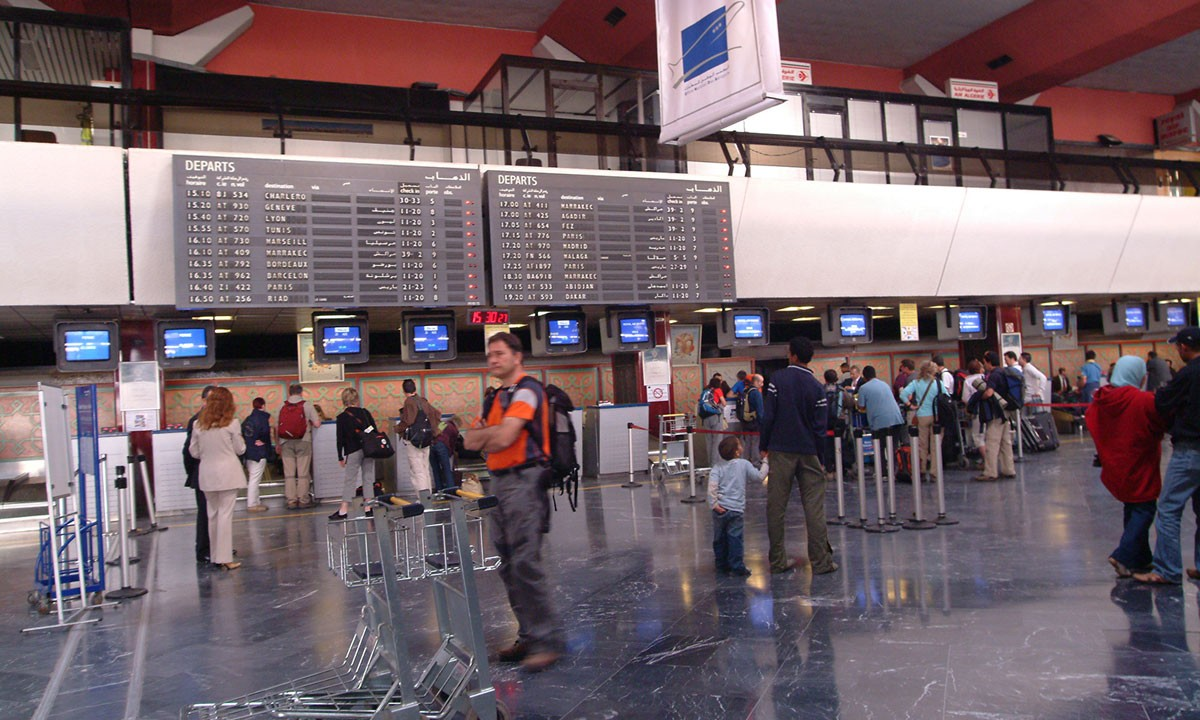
<point x="217" y="442"/>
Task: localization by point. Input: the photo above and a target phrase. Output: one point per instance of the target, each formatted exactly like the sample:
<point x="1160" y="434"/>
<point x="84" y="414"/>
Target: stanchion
<point x="1020" y="440"/>
<point x="890" y="459"/>
<point x="630" y="483"/>
<point x="862" y="521"/>
<point x="691" y="441"/>
<point x="138" y="463"/>
<point x="941" y="487"/>
<point x="883" y="526"/>
<point x="918" y="521"/>
<point x="841" y="491"/>
<point x="125" y="592"/>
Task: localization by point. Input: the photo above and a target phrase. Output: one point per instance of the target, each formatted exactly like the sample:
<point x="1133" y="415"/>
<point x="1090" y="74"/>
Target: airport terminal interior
<point x="355" y="194"/>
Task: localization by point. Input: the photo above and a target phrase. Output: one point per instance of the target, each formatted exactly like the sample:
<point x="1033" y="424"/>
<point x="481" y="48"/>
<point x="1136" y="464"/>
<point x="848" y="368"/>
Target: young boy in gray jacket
<point x="727" y="498"/>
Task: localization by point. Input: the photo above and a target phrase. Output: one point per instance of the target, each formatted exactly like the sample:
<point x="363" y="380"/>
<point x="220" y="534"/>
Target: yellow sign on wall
<point x="908" y="323"/>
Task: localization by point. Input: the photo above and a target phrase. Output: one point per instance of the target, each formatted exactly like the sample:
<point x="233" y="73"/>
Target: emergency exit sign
<point x="979" y="90"/>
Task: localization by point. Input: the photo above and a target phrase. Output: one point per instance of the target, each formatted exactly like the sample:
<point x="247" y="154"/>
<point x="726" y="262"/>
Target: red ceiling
<point x="165" y="17"/>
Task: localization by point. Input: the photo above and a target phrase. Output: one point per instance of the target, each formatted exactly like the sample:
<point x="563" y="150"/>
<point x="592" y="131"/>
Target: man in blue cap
<point x="1179" y="403"/>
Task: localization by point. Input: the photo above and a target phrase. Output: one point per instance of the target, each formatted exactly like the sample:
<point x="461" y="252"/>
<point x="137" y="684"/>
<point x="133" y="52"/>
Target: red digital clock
<point x="487" y="317"/>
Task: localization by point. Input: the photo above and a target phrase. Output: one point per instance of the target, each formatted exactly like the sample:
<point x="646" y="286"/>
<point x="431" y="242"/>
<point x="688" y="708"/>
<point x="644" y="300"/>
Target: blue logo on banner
<point x="705" y="44"/>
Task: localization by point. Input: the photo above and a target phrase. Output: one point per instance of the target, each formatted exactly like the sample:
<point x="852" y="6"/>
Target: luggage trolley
<point x="673" y="456"/>
<point x="403" y="541"/>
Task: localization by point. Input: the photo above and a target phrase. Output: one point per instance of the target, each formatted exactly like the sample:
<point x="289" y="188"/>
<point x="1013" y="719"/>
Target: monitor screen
<point x="563" y="332"/>
<point x="854" y="325"/>
<point x="341" y="339"/>
<point x="184" y="342"/>
<point x="1054" y="318"/>
<point x="87" y="345"/>
<point x="634" y="330"/>
<point x="970" y="321"/>
<point x="751" y="326"/>
<point x="430" y="338"/>
<point x="1135" y="316"/>
<point x="1176" y="316"/>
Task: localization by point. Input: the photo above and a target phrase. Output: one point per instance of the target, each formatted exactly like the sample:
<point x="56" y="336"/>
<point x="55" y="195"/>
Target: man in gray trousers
<point x="517" y="440"/>
<point x="793" y="429"/>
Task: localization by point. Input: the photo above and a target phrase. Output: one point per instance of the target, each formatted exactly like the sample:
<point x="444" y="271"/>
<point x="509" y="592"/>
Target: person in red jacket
<point x="1128" y="433"/>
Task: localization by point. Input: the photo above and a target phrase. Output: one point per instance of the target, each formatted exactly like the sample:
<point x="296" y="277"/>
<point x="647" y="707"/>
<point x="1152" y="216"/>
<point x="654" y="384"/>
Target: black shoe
<point x="335" y="515"/>
<point x="201" y="560"/>
<point x="740" y="572"/>
<point x="513" y="653"/>
<point x="358" y="491"/>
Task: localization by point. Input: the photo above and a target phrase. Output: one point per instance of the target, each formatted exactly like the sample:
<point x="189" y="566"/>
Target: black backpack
<point x="420" y="433"/>
<point x="564" y="470"/>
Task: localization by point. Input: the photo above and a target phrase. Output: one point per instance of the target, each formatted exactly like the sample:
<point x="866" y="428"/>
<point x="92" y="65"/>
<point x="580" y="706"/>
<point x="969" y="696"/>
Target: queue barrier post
<point x="631" y="483"/>
<point x="1020" y="439"/>
<point x="941" y="484"/>
<point x="882" y="526"/>
<point x="918" y="521"/>
<point x="862" y="521"/>
<point x="125" y="592"/>
<point x="890" y="460"/>
<point x="691" y="446"/>
<point x="841" y="491"/>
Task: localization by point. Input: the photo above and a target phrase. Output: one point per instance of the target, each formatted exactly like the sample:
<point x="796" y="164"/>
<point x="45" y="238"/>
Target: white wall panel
<point x="811" y="239"/>
<point x="1052" y="242"/>
<point x="153" y="227"/>
<point x="1162" y="254"/>
<point x="63" y="235"/>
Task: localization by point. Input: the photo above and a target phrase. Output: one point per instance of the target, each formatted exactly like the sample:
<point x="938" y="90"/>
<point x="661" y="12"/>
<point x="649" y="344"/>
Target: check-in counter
<point x="606" y="438"/>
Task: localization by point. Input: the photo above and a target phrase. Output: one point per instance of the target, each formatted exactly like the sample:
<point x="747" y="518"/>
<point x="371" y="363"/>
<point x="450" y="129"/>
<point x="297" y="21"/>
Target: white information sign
<point x="140" y="388"/>
<point x="718" y="63"/>
<point x="980" y="90"/>
<point x="797" y="73"/>
<point x="656" y="366"/>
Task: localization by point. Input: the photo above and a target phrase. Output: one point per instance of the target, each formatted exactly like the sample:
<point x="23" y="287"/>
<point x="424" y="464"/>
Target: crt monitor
<point x="1134" y="315"/>
<point x="853" y="324"/>
<point x="558" y="332"/>
<point x="428" y="337"/>
<point x="341" y="340"/>
<point x="627" y="329"/>
<point x="1054" y="319"/>
<point x="87" y="346"/>
<point x="971" y="321"/>
<point x="186" y="344"/>
<point x="743" y="327"/>
<point x="1176" y="316"/>
<point x="847" y="325"/>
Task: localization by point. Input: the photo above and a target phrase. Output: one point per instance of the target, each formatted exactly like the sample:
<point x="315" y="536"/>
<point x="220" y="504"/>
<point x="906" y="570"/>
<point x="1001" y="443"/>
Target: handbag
<point x="375" y="442"/>
<point x="913" y="420"/>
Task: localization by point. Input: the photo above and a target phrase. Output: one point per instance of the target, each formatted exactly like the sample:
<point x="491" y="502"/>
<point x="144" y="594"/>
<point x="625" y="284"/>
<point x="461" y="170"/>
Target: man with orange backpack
<point x="294" y="447"/>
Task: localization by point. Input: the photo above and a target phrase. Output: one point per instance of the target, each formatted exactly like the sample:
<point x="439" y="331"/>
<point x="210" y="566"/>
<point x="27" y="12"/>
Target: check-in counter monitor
<point x="1126" y="318"/>
<point x="627" y="330"/>
<point x="87" y="346"/>
<point x="428" y="337"/>
<point x="847" y="326"/>
<point x="558" y="332"/>
<point x="743" y="327"/>
<point x="962" y="322"/>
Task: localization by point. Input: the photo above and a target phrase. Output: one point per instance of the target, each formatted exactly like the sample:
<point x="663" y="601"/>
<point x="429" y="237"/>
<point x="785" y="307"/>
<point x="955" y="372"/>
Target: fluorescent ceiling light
<point x="806" y="318"/>
<point x="796" y="308"/>
<point x="516" y="325"/>
<point x="879" y="307"/>
<point x="672" y="322"/>
<point x="307" y="329"/>
<point x="222" y="331"/>
<point x="935" y="307"/>
<point x="708" y="310"/>
<point x="218" y="318"/>
<point x="336" y="317"/>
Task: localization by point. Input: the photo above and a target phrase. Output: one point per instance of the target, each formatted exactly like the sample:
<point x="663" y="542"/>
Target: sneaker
<point x="513" y="653"/>
<point x="257" y="508"/>
<point x="335" y="515"/>
<point x="539" y="661"/>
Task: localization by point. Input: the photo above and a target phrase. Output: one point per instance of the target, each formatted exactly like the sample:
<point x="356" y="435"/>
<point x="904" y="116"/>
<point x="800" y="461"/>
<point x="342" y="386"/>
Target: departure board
<point x="569" y="239"/>
<point x="257" y="232"/>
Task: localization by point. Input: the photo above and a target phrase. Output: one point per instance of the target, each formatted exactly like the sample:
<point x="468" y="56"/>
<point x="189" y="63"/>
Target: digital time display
<point x="487" y="317"/>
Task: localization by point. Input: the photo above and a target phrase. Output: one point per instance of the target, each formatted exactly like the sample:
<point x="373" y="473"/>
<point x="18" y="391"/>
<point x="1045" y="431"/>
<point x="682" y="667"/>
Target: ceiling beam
<point x="580" y="26"/>
<point x="1052" y="42"/>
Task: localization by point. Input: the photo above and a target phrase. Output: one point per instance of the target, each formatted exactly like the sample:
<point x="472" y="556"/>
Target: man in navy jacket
<point x="793" y="428"/>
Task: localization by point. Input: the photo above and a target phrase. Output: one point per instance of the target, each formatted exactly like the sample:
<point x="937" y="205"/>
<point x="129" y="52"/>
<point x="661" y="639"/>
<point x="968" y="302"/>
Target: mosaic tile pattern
<point x="579" y="383"/>
<point x="458" y="394"/>
<point x="686" y="382"/>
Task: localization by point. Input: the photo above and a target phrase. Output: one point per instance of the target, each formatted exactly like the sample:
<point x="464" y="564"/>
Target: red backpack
<point x="292" y="423"/>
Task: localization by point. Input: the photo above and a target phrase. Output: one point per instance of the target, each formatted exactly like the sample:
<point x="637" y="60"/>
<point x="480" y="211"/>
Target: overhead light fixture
<point x="882" y="317"/>
<point x="307" y="329"/>
<point x="998" y="62"/>
<point x="708" y="310"/>
<point x="516" y="325"/>
<point x="218" y="318"/>
<point x="222" y="331"/>
<point x="796" y="308"/>
<point x="935" y="307"/>
<point x="1068" y="302"/>
<point x="1050" y="303"/>
<point x="1109" y="140"/>
<point x="672" y="322"/>
<point x="806" y="318"/>
<point x="342" y="316"/>
<point x="880" y="307"/>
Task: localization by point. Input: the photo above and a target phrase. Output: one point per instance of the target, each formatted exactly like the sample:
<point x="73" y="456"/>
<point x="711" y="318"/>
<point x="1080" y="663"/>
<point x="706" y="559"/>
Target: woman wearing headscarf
<point x="1128" y="433"/>
<point x="217" y="442"/>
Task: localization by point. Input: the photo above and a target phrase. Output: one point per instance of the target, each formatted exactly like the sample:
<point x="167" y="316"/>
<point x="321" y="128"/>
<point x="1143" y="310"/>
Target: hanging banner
<point x="718" y="63"/>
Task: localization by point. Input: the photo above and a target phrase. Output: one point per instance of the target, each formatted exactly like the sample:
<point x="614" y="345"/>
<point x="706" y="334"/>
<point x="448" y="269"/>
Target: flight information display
<point x="571" y="239"/>
<point x="257" y="232"/>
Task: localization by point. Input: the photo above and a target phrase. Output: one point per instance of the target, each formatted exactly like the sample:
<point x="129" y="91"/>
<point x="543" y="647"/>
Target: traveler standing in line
<point x="1157" y="372"/>
<point x="883" y="414"/>
<point x="417" y="418"/>
<point x="1062" y="386"/>
<point x="217" y="443"/>
<point x="974" y="372"/>
<point x="296" y="419"/>
<point x="997" y="437"/>
<point x="191" y="466"/>
<point x="907" y="368"/>
<point x="359" y="468"/>
<point x="943" y="373"/>
<point x="1179" y="403"/>
<point x="754" y="406"/>
<point x="740" y="386"/>
<point x="793" y="431"/>
<point x="1128" y="433"/>
<point x="517" y="440"/>
<point x="441" y="455"/>
<point x="920" y="395"/>
<point x="1034" y="380"/>
<point x="256" y="431"/>
<point x="714" y="422"/>
<point x="833" y="422"/>
<point x="1091" y="377"/>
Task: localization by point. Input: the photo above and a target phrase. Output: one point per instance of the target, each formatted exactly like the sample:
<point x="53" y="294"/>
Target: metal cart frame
<point x="673" y="457"/>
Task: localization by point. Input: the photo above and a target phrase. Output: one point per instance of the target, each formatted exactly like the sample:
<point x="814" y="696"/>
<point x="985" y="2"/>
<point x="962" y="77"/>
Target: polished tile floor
<point x="1013" y="613"/>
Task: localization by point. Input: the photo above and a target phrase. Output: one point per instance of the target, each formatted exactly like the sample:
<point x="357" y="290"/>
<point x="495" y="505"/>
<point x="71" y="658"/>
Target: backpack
<point x="564" y="470"/>
<point x="746" y="414"/>
<point x="292" y="423"/>
<point x="707" y="406"/>
<point x="1014" y="390"/>
<point x="833" y="412"/>
<point x="420" y="433"/>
